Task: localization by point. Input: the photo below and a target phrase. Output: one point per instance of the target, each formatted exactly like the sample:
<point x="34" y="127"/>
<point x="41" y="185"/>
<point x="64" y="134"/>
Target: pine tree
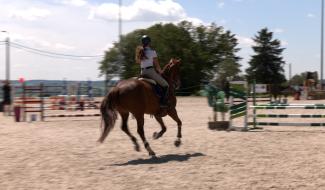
<point x="266" y="66"/>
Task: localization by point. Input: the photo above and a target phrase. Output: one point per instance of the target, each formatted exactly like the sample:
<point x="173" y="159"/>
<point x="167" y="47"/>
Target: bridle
<point x="174" y="83"/>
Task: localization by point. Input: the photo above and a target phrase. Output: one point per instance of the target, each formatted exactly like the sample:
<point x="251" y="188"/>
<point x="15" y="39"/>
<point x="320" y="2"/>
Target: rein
<point x="166" y="73"/>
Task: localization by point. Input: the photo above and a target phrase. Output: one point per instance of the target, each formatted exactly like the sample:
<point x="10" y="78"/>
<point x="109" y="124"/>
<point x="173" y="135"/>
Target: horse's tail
<point x="108" y="112"/>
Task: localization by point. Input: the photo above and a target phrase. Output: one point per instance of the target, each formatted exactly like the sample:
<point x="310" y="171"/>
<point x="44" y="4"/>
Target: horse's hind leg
<point x="140" y="123"/>
<point x="174" y="116"/>
<point x="163" y="128"/>
<point x="125" y="128"/>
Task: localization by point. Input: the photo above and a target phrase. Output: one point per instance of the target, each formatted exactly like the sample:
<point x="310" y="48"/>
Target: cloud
<point x="222" y="21"/>
<point x="63" y="46"/>
<point x="33" y="41"/>
<point x="63" y="28"/>
<point x="107" y="46"/>
<point x="284" y="43"/>
<point x="278" y="30"/>
<point x="141" y="10"/>
<point x="221" y="4"/>
<point x="245" y="41"/>
<point x="77" y="3"/>
<point x="30" y="14"/>
<point x="310" y="15"/>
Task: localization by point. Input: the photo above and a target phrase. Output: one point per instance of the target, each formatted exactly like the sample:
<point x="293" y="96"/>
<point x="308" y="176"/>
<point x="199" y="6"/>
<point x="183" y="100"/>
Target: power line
<point x="54" y="53"/>
<point x="51" y="56"/>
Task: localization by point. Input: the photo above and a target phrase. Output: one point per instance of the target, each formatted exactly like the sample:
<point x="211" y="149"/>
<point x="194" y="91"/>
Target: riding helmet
<point x="145" y="40"/>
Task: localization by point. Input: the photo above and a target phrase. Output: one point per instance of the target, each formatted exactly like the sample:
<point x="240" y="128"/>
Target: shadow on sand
<point x="161" y="159"/>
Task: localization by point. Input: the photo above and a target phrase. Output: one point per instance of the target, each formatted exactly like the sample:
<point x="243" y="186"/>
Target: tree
<point x="201" y="48"/>
<point x="298" y="79"/>
<point x="266" y="66"/>
<point x="111" y="66"/>
<point x="229" y="63"/>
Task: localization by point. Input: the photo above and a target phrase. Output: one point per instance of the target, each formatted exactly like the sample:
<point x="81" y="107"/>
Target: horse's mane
<point x="168" y="66"/>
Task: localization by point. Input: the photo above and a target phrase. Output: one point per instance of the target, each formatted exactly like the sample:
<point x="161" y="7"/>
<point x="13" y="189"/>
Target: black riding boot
<point x="164" y="98"/>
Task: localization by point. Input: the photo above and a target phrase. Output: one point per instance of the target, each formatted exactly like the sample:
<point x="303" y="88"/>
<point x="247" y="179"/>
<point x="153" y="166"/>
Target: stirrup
<point x="163" y="106"/>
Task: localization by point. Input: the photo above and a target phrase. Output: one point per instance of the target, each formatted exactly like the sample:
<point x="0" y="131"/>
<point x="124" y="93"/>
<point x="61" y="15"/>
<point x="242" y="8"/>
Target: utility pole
<point x="7" y="56"/>
<point x="322" y="46"/>
<point x="120" y="20"/>
<point x="107" y="78"/>
<point x="290" y="73"/>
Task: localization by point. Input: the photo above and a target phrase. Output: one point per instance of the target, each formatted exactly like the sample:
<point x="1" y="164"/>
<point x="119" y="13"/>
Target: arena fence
<point x="35" y="102"/>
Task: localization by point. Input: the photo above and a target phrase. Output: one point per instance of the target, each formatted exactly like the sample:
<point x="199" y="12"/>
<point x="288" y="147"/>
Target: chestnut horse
<point x="138" y="98"/>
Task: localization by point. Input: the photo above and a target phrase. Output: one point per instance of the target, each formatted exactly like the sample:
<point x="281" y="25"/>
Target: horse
<point x="138" y="98"/>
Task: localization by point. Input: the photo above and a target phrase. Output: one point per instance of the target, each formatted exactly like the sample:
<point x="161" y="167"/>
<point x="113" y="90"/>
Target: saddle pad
<point x="149" y="80"/>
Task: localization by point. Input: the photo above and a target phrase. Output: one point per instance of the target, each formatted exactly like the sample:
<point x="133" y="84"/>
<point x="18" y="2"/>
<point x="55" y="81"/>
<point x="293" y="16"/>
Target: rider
<point x="147" y="58"/>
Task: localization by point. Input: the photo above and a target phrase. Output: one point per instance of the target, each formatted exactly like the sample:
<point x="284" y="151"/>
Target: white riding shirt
<point x="148" y="60"/>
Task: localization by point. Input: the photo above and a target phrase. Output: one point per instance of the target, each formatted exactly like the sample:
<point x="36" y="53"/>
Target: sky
<point x="71" y="36"/>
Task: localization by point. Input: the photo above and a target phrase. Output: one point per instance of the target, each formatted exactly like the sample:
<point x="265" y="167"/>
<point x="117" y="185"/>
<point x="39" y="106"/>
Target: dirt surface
<point x="63" y="154"/>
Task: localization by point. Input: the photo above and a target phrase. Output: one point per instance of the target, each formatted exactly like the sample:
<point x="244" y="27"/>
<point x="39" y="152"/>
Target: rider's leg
<point x="151" y="73"/>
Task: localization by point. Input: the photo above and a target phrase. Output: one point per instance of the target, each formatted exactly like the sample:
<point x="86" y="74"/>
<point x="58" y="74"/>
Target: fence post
<point x="41" y="95"/>
<point x="231" y="103"/>
<point x="254" y="104"/>
<point x="246" y="117"/>
<point x="23" y="102"/>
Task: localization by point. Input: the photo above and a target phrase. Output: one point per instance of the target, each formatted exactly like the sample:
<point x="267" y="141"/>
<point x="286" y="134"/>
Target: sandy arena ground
<point x="63" y="154"/>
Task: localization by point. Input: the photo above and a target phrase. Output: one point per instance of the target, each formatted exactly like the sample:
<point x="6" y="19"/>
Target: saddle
<point x="155" y="86"/>
<point x="158" y="90"/>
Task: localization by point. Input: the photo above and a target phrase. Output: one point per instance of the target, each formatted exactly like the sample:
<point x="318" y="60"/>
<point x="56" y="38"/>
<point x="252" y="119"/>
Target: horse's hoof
<point x="152" y="154"/>
<point x="177" y="143"/>
<point x="137" y="148"/>
<point x="154" y="157"/>
<point x="155" y="135"/>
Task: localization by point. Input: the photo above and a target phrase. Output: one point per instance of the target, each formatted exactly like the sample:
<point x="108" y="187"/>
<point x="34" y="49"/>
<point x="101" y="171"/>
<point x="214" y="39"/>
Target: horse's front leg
<point x="163" y="128"/>
<point x="140" y="123"/>
<point x="173" y="114"/>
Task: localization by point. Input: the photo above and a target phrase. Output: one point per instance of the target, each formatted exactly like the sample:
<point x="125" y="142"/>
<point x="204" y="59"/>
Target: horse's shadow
<point x="161" y="159"/>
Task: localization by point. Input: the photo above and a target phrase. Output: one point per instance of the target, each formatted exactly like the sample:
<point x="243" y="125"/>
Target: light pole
<point x="322" y="46"/>
<point x="7" y="56"/>
<point x="119" y="38"/>
<point x="120" y="19"/>
<point x="290" y="73"/>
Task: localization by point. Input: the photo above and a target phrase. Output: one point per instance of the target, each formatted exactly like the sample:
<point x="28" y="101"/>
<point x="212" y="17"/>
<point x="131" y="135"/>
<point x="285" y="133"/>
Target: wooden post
<point x="41" y="95"/>
<point x="23" y="108"/>
<point x="231" y="103"/>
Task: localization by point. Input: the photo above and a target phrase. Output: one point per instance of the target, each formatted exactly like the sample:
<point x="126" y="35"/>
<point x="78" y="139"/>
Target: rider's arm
<point x="156" y="64"/>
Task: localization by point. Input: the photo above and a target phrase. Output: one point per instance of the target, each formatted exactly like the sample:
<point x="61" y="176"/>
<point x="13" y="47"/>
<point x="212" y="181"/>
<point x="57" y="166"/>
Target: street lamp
<point x="7" y="56"/>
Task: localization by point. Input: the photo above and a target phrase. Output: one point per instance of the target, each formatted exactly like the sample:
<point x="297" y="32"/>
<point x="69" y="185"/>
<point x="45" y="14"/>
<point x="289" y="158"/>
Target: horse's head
<point x="171" y="72"/>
